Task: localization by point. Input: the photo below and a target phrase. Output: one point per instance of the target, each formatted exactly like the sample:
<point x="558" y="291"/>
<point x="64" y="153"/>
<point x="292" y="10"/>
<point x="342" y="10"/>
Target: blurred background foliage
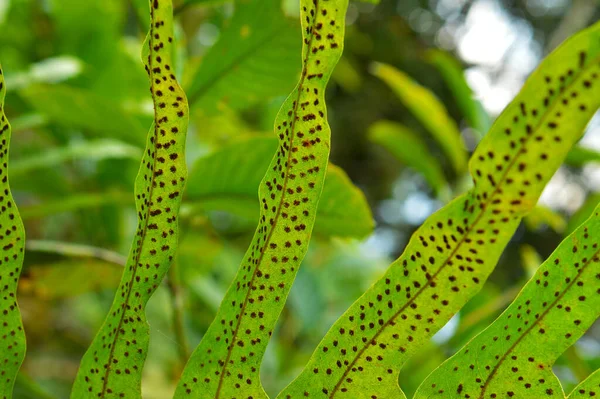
<point x="419" y="84"/>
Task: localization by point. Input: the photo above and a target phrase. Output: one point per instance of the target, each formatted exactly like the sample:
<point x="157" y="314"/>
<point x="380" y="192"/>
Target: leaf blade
<point x="515" y="354"/>
<point x="12" y="336"/>
<point x="588" y="388"/>
<point x="227" y="361"/>
<point x="255" y="58"/>
<point x="446" y="250"/>
<point x="428" y="110"/>
<point x="218" y="183"/>
<point x="112" y="365"/>
<point x="406" y="146"/>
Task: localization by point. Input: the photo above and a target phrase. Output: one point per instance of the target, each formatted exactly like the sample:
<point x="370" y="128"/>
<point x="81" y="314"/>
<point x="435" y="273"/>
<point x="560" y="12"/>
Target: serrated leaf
<point x="12" y="241"/>
<point x="228" y="179"/>
<point x="256" y="57"/>
<point x="589" y="388"/>
<point x="452" y="72"/>
<point x="513" y="357"/>
<point x="226" y="363"/>
<point x="409" y="149"/>
<point x="428" y="110"/>
<point x="112" y="366"/>
<point x="450" y="256"/>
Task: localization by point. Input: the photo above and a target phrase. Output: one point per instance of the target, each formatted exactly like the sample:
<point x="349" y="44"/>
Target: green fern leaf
<point x="112" y="366"/>
<point x="228" y="180"/>
<point x="12" y="241"/>
<point x="429" y="110"/>
<point x="226" y="363"/>
<point x="589" y="388"/>
<point x="450" y="256"/>
<point x="514" y="356"/>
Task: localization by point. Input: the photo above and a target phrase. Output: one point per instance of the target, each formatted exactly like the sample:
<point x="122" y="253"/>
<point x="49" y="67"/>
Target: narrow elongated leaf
<point x="409" y="149"/>
<point x="450" y="256"/>
<point x="12" y="241"/>
<point x="579" y="156"/>
<point x="451" y="71"/>
<point x="428" y="110"/>
<point x="513" y="357"/>
<point x="112" y="366"/>
<point x="228" y="179"/>
<point x="226" y="363"/>
<point x="89" y="150"/>
<point x="256" y="57"/>
<point x="589" y="388"/>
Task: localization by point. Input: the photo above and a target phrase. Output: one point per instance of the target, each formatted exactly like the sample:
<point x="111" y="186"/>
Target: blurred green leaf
<point x="542" y="215"/>
<point x="453" y="74"/>
<point x="92" y="150"/>
<point x="50" y="70"/>
<point x="530" y="258"/>
<point x="83" y="109"/>
<point x="70" y="278"/>
<point x="26" y="388"/>
<point x="187" y="3"/>
<point x="584" y="212"/>
<point x="579" y="156"/>
<point x="75" y="250"/>
<point x="428" y="110"/>
<point x="347" y="76"/>
<point x="406" y="146"/>
<point x="228" y="180"/>
<point x="76" y="202"/>
<point x="256" y="57"/>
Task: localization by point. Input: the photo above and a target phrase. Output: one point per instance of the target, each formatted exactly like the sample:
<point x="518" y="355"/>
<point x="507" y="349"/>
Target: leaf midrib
<point x="535" y="323"/>
<point x="277" y="214"/>
<point x="146" y="219"/>
<point x="469" y="229"/>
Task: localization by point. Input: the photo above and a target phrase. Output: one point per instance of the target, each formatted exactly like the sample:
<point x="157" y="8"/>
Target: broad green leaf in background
<point x="112" y="366"/>
<point x="228" y="180"/>
<point x="451" y="255"/>
<point x="226" y="364"/>
<point x="88" y="150"/>
<point x="256" y="57"/>
<point x="80" y="108"/>
<point x="588" y="388"/>
<point x="12" y="241"/>
<point x="513" y="357"/>
<point x="428" y="110"/>
<point x="579" y="156"/>
<point x="409" y="149"/>
<point x="453" y="74"/>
